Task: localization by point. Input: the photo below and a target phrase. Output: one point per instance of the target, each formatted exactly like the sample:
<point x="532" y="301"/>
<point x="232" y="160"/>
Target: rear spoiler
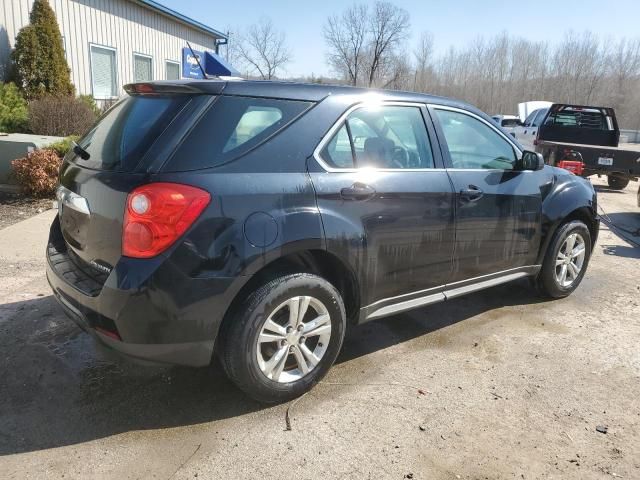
<point x="172" y="88"/>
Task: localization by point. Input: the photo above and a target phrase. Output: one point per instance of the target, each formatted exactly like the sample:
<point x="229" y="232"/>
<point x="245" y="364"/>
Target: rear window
<point x="232" y="127"/>
<point x="511" y="122"/>
<point x="121" y="137"/>
<point x="591" y="118"/>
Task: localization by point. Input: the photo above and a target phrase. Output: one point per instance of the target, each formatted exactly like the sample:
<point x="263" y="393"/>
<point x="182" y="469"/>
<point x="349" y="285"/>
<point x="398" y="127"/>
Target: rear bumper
<point x="194" y="354"/>
<point x="149" y="310"/>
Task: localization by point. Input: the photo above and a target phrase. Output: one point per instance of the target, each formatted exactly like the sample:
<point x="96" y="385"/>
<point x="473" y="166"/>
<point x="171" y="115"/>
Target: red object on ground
<point x="574" y="166"/>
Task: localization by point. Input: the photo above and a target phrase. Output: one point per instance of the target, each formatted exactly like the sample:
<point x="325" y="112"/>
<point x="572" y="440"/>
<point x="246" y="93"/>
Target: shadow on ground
<point x="59" y="389"/>
<point x="607" y="189"/>
<point x="625" y="225"/>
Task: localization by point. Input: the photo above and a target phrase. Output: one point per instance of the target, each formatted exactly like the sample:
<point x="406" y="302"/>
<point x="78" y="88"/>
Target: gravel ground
<point x="15" y="207"/>
<point x="496" y="385"/>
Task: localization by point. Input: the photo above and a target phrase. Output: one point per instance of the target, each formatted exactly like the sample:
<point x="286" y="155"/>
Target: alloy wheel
<point x="570" y="260"/>
<point x="293" y="340"/>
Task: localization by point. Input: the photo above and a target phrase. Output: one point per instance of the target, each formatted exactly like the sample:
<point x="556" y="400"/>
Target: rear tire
<point x="566" y="260"/>
<point x="617" y="182"/>
<point x="272" y="351"/>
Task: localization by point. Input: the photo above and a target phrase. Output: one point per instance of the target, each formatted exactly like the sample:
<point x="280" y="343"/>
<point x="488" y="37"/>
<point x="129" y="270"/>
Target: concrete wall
<point x="17" y="145"/>
<point x="630" y="136"/>
<point x="124" y="25"/>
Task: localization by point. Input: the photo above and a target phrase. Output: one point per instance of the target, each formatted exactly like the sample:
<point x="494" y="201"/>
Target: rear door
<point x="498" y="209"/>
<point x="386" y="202"/>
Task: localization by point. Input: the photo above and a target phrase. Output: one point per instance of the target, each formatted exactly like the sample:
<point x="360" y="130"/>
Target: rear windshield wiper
<point x="81" y="152"/>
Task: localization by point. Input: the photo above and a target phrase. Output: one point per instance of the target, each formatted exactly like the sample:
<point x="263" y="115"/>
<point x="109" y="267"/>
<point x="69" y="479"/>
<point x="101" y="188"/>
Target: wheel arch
<point x="583" y="214"/>
<point x="314" y="260"/>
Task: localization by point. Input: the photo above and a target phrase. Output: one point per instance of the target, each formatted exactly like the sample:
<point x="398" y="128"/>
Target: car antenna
<point x="197" y="60"/>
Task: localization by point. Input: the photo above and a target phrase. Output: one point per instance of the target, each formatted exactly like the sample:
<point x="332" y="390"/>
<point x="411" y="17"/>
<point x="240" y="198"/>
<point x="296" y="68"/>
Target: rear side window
<point x="230" y="128"/>
<point x="121" y="137"/>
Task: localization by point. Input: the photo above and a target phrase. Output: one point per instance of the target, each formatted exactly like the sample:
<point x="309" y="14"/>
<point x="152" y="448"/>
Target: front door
<point x="387" y="204"/>
<point x="498" y="209"/>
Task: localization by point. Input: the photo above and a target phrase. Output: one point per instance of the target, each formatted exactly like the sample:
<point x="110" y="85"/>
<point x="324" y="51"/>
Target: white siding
<point x="121" y="24"/>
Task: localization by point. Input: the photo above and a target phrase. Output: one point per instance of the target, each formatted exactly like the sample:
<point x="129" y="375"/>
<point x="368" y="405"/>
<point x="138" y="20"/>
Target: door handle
<point x="471" y="194"/>
<point x="525" y="132"/>
<point x="357" y="191"/>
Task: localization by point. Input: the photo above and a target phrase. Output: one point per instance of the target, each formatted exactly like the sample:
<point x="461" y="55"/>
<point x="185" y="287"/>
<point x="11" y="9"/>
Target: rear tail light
<point x="157" y="214"/>
<point x="108" y="333"/>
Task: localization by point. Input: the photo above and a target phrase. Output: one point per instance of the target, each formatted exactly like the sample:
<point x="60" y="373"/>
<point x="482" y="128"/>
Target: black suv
<point x="258" y="219"/>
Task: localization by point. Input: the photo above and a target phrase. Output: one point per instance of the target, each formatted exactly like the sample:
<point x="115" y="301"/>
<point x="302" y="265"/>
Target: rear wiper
<point x="81" y="152"/>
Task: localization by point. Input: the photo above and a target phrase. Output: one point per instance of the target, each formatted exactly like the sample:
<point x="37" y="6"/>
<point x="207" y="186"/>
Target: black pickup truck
<point x="585" y="140"/>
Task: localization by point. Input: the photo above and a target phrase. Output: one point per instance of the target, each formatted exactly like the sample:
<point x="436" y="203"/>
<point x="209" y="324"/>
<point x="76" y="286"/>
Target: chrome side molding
<point x="394" y="305"/>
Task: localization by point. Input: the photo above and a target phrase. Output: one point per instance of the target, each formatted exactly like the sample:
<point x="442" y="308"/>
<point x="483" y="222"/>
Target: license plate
<point x="605" y="161"/>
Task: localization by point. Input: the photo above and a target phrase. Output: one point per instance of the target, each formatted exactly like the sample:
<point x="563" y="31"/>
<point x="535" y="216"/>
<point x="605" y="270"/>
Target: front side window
<point x="103" y="73"/>
<point x="389" y="137"/>
<point x="529" y="120"/>
<point x="142" y="68"/>
<point x="473" y="144"/>
<point x="540" y="117"/>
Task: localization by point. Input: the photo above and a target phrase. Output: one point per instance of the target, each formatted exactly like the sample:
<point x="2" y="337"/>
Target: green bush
<point x="40" y="64"/>
<point x="14" y="114"/>
<point x="63" y="146"/>
<point x="91" y="103"/>
<point x="37" y="173"/>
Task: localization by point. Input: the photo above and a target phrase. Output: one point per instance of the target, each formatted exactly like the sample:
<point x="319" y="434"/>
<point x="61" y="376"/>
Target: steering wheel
<point x="400" y="157"/>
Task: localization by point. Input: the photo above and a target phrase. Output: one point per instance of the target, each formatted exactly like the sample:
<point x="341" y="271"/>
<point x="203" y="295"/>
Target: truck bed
<point x="623" y="159"/>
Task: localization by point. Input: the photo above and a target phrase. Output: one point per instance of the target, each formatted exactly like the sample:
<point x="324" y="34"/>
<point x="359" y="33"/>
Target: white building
<point x="109" y="43"/>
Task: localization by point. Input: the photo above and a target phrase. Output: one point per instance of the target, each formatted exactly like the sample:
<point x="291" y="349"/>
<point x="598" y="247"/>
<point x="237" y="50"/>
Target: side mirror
<point x="531" y="161"/>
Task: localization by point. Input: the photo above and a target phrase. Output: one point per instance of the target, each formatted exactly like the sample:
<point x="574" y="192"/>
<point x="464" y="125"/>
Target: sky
<point x="454" y="23"/>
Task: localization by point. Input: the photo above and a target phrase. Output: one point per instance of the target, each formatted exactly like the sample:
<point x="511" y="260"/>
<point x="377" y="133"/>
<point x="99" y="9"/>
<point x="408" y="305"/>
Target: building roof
<point x="181" y="18"/>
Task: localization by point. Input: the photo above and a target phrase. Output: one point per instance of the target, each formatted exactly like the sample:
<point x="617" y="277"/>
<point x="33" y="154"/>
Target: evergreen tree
<point x="40" y="66"/>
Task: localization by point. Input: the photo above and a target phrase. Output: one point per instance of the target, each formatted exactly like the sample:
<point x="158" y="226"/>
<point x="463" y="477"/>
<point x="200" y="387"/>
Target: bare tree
<point x="345" y="34"/>
<point x="388" y="28"/>
<point x="495" y="73"/>
<point x="363" y="43"/>
<point x="423" y="57"/>
<point x="262" y="48"/>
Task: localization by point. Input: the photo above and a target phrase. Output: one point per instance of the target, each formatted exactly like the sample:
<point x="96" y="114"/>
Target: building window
<point x="142" y="68"/>
<point x="103" y="73"/>
<point x="173" y="70"/>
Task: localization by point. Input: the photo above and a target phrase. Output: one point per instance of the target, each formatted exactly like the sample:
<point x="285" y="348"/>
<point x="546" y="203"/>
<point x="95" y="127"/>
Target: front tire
<point x="566" y="260"/>
<point x="617" y="182"/>
<point x="284" y="338"/>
